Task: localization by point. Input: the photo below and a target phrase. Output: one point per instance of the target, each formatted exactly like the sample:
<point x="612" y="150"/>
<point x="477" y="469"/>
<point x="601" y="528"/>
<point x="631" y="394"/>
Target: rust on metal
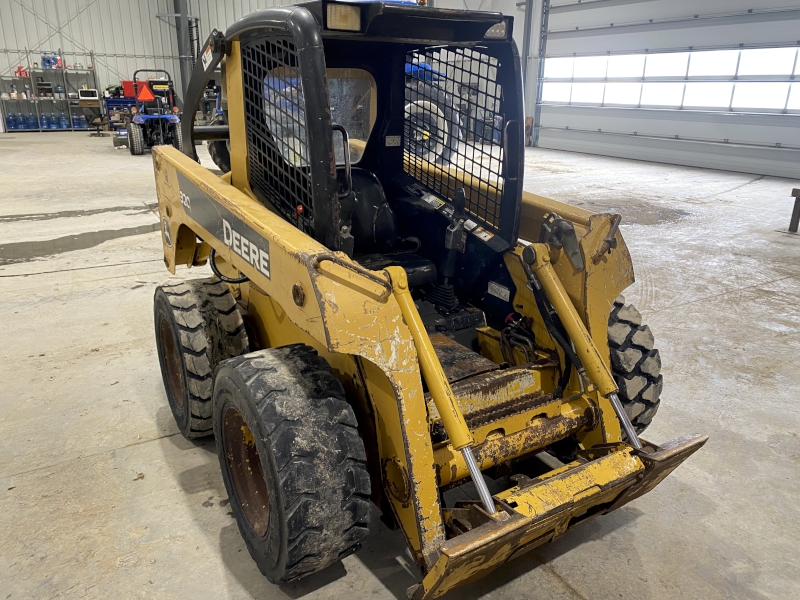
<point x="298" y="294"/>
<point x="499" y="448"/>
<point x="458" y="361"/>
<point x="491" y="389"/>
<point x="659" y="463"/>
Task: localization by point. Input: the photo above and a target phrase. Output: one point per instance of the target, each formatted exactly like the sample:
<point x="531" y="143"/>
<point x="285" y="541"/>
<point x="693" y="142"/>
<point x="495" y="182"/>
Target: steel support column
<point x="184" y="45"/>
<point x="543" y="26"/>
<point x="526" y="45"/>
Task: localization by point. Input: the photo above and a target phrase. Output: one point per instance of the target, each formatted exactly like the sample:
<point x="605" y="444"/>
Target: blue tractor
<point x="155" y="120"/>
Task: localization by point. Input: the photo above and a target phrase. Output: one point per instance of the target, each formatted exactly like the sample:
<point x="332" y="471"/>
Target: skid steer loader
<point x="393" y="321"/>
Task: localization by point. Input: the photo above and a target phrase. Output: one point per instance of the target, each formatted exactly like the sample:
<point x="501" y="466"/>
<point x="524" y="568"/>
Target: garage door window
<point x="746" y="80"/>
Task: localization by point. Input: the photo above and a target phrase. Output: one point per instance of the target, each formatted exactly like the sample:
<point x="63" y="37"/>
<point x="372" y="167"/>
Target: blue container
<point x="63" y="121"/>
<point x="44" y="122"/>
<point x="8" y="122"/>
<point x="31" y="122"/>
<point x="53" y="121"/>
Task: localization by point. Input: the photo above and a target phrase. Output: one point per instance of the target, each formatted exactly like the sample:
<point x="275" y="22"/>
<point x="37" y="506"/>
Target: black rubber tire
<point x="177" y="139"/>
<point x="219" y="150"/>
<point x="418" y="90"/>
<point x="636" y="364"/>
<point x="135" y="139"/>
<point x="203" y="326"/>
<point x="311" y="458"/>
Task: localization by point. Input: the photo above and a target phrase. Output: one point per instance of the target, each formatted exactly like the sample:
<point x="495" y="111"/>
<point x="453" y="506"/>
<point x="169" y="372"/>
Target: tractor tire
<point x="220" y="149"/>
<point x="636" y="365"/>
<point x="135" y="139"/>
<point x="197" y="325"/>
<point x="177" y="138"/>
<point x="434" y="98"/>
<point x="292" y="461"/>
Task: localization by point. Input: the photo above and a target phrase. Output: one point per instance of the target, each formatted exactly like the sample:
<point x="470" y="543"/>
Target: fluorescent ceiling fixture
<point x="708" y="95"/>
<point x="666" y="65"/>
<point x="623" y="93"/>
<point x="662" y="94"/>
<point x="626" y="65"/>
<point x="587" y="93"/>
<point x="558" y="68"/>
<point x="760" y="95"/>
<point x="767" y="61"/>
<point x="556" y="92"/>
<point x="590" y="66"/>
<point x="794" y="99"/>
<point x="719" y="63"/>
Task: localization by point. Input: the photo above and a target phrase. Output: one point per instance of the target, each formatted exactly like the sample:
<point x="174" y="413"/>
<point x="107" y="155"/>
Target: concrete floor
<point x="101" y="498"/>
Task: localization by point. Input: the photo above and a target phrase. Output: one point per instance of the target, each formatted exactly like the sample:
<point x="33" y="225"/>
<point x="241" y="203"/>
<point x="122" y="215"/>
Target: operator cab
<point x="392" y="134"/>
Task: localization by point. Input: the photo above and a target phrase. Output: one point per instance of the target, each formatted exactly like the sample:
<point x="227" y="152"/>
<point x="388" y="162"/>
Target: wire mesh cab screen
<point x="275" y="120"/>
<point x="453" y="127"/>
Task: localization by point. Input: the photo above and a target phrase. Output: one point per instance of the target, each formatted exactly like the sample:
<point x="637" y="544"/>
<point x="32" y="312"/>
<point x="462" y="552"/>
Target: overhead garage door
<point x="712" y="84"/>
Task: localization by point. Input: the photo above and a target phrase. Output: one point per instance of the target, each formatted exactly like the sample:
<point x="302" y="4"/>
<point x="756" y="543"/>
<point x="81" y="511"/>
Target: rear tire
<point x="135" y="139"/>
<point x="197" y="325"/>
<point x="636" y="364"/>
<point x="219" y="150"/>
<point x="293" y="463"/>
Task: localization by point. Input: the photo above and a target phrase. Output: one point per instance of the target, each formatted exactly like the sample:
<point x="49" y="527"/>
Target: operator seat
<point x="374" y="229"/>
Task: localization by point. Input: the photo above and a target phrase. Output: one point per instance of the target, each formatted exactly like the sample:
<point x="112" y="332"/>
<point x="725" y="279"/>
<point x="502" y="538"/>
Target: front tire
<point x="636" y="364"/>
<point x="197" y="325"/>
<point x="135" y="139"/>
<point x="292" y="461"/>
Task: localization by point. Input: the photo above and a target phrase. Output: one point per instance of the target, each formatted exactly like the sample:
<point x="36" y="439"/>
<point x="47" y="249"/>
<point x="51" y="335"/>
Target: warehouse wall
<point x="124" y="35"/>
<point x="219" y="14"/>
<point x="762" y="140"/>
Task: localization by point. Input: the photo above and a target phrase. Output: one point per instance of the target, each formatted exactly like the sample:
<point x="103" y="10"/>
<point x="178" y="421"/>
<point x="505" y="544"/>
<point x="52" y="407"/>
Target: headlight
<point x="344" y="17"/>
<point x="496" y="31"/>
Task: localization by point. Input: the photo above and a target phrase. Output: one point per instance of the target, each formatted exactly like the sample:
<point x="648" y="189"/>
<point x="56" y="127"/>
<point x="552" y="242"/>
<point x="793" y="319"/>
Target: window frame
<point x="792" y="79"/>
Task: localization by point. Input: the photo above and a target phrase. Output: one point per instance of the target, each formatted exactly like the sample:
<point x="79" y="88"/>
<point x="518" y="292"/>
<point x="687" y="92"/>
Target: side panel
<point x="340" y="309"/>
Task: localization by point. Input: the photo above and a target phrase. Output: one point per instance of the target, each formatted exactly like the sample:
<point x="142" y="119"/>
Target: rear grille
<point x="275" y="120"/>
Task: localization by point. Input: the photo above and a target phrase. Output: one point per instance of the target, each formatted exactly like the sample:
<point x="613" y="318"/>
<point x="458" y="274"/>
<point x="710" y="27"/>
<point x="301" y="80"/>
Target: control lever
<point x="455" y="231"/>
<point x="443" y="295"/>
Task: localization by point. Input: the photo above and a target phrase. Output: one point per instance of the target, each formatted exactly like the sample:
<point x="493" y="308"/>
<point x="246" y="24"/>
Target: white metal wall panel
<point x="777" y="162"/>
<point x="219" y="14"/>
<point x="768" y="28"/>
<point x="124" y="35"/>
<point x="723" y="127"/>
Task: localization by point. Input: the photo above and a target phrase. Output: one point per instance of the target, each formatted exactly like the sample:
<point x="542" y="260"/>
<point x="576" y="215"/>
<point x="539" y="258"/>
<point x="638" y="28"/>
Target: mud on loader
<point x="393" y="321"/>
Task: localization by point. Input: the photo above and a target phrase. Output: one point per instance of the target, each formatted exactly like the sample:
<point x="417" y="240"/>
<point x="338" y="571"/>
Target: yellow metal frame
<point x="365" y="324"/>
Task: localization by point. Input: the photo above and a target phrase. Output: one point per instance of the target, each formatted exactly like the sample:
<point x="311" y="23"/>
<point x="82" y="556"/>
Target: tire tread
<point x="636" y="364"/>
<point x="210" y="329"/>
<point x="320" y="458"/>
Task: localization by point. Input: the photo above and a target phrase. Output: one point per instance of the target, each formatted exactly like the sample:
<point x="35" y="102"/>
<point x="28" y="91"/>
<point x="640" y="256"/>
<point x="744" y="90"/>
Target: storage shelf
<point x="72" y="110"/>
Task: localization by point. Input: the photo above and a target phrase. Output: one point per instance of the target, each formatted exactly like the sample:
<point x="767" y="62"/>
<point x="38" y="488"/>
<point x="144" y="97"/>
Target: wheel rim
<point x="172" y="361"/>
<point x="246" y="473"/>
